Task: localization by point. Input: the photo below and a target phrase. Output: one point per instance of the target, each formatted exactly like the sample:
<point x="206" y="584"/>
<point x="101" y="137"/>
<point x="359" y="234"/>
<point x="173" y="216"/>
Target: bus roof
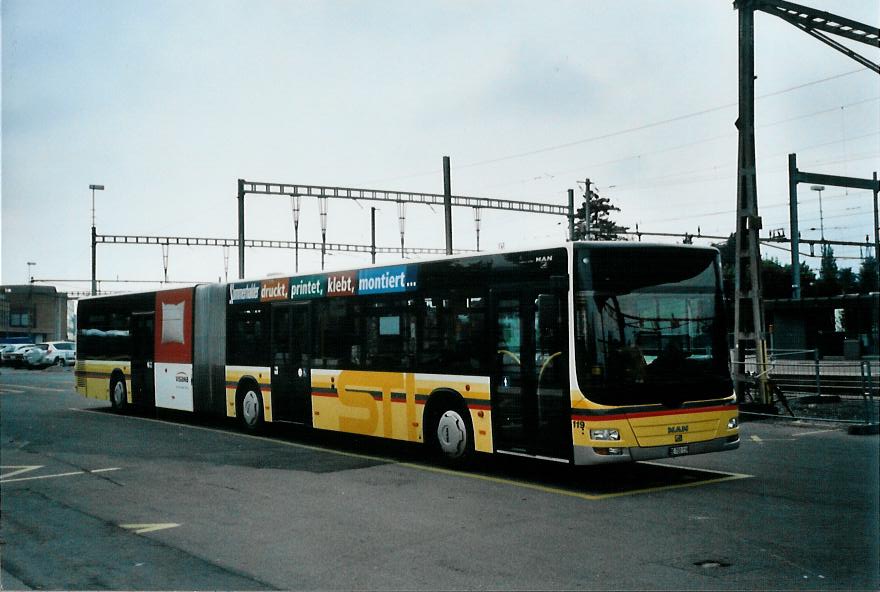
<point x="537" y="247"/>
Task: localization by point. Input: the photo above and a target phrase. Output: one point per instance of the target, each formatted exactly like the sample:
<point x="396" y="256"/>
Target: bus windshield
<point x="650" y="325"/>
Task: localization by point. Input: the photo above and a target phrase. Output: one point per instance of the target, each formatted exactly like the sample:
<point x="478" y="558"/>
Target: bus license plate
<point x="678" y="450"/>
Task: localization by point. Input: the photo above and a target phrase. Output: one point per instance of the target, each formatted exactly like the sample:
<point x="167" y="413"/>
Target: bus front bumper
<point x="588" y="455"/>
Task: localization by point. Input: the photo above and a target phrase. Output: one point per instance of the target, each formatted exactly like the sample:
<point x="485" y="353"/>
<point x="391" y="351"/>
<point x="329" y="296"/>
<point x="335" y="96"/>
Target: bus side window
<point x="248" y="334"/>
<point x="432" y="334"/>
<point x="469" y="325"/>
<point x="389" y="335"/>
<point x="452" y="335"/>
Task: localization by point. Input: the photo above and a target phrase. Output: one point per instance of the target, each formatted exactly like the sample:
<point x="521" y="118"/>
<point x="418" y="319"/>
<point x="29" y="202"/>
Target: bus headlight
<point x="732" y="423"/>
<point x="604" y="434"/>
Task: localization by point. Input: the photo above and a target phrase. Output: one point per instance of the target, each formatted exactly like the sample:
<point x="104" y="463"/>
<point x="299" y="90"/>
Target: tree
<point x="808" y="280"/>
<point x="868" y="276"/>
<point x="829" y="274"/>
<point x="602" y="227"/>
<point x="775" y="278"/>
<point x="849" y="283"/>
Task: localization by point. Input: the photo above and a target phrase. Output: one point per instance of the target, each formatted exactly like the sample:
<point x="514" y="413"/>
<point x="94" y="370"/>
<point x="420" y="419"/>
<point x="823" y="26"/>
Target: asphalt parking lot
<point x="94" y="500"/>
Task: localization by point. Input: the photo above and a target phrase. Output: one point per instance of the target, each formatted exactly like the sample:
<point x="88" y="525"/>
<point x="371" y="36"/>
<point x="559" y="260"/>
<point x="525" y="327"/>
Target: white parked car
<point x="14" y="356"/>
<point x="60" y="352"/>
<point x="35" y="356"/>
<point x="5" y="348"/>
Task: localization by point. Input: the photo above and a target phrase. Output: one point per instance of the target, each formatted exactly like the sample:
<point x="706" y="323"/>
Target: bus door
<point x="291" y="362"/>
<point x="530" y="395"/>
<point x="143" y="392"/>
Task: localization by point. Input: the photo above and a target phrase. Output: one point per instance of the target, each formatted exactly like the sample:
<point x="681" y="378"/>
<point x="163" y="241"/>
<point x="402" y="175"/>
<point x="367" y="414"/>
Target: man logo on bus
<point x="679" y="429"/>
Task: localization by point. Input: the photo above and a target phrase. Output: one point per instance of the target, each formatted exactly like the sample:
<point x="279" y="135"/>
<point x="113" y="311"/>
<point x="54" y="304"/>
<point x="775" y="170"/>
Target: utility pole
<point x="322" y="204"/>
<point x="587" y="195"/>
<point x="795" y="231"/>
<point x="295" y="203"/>
<point x="747" y="283"/>
<point x="820" y="180"/>
<point x="94" y="238"/>
<point x="241" y="229"/>
<point x="477" y="221"/>
<point x="571" y="236"/>
<point x="876" y="231"/>
<point x="817" y="24"/>
<point x="373" y="234"/>
<point x="447" y="204"/>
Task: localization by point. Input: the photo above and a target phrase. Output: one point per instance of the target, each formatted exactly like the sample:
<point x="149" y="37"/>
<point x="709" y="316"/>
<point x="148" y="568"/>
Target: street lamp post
<point x="30" y="275"/>
<point x="94" y="236"/>
<point x="820" y="189"/>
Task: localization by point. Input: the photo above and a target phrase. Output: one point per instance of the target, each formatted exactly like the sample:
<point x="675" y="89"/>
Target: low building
<point x="35" y="313"/>
<point x="838" y="326"/>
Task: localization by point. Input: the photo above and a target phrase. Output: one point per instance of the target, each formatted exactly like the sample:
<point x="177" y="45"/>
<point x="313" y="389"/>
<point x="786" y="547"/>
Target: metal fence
<point x="808" y="387"/>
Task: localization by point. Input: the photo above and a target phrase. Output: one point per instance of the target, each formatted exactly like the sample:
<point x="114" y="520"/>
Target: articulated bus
<point x="584" y="353"/>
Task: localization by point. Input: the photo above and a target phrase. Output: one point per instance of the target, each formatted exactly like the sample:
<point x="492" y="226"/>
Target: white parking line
<point x="40" y="388"/>
<point x="21" y="469"/>
<point x="70" y="474"/>
<point x="149" y="527"/>
<point x="813" y="432"/>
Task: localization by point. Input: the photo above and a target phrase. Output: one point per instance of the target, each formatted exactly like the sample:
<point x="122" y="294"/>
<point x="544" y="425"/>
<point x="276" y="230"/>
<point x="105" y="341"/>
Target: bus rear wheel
<point x="250" y="408"/>
<point x="451" y="435"/>
<point x="118" y="395"/>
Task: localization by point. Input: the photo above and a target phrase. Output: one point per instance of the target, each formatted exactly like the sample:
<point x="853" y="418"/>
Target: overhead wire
<point x="624" y="131"/>
<point x="699" y="142"/>
<point x="650" y="125"/>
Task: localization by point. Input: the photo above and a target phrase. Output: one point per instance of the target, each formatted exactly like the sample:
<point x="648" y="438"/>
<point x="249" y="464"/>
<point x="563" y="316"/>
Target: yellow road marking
<point x="149" y="527"/>
<point x="21" y="469"/>
<point x="70" y="474"/>
<point x="723" y="476"/>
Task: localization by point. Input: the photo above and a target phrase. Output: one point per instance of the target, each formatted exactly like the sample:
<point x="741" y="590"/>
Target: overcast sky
<point x="167" y="104"/>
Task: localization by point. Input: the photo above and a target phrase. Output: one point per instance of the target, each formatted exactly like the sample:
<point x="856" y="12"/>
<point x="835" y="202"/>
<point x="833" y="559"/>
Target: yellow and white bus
<point x="583" y="353"/>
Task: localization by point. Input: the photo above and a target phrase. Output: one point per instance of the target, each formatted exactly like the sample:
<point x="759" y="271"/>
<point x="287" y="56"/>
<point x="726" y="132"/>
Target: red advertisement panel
<point x="274" y="289"/>
<point x="174" y="326"/>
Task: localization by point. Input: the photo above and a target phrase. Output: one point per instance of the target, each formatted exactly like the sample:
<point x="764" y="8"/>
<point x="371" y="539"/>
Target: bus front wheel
<point x="250" y="408"/>
<point x="118" y="395"/>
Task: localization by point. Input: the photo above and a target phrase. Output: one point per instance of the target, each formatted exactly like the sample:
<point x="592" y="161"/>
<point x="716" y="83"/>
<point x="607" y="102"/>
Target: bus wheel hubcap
<point x="452" y="434"/>
<point x="250" y="407"/>
<point x="119" y="393"/>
